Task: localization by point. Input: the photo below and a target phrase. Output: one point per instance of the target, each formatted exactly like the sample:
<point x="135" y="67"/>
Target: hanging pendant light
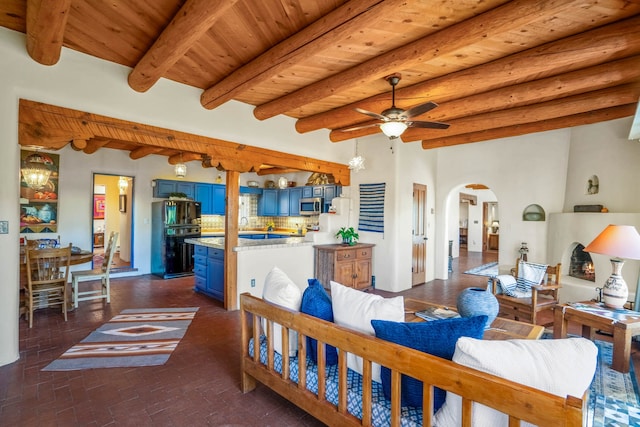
<point x="180" y="169"/>
<point x="357" y="162"/>
<point x="36" y="169"/>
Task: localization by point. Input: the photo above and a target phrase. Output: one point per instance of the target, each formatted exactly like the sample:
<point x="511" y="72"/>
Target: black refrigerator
<point x="173" y="221"/>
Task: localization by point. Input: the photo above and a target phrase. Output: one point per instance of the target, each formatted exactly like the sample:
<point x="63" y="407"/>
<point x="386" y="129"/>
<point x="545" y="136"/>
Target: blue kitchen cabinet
<point x="203" y="195"/>
<point x="164" y="187"/>
<point x="218" y="196"/>
<point x="268" y="203"/>
<point x="208" y="271"/>
<point x="318" y="191"/>
<point x="307" y="191"/>
<point x="211" y="197"/>
<point x="215" y="273"/>
<point x="330" y="192"/>
<point x="283" y="202"/>
<point x="295" y="194"/>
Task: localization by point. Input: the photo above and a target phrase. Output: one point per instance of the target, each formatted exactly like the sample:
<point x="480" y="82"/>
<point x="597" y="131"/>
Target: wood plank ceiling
<point x="496" y="68"/>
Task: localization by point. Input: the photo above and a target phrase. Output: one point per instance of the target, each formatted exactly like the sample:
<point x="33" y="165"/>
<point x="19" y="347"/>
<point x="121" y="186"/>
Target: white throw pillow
<point x="561" y="367"/>
<point x="280" y="289"/>
<point x="355" y="309"/>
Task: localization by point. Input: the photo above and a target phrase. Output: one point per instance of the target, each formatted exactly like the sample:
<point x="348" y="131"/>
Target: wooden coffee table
<point x="500" y="329"/>
<point x="621" y="323"/>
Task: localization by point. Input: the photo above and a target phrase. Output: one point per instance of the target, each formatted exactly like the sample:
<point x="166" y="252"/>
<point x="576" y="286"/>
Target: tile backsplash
<point x="249" y="210"/>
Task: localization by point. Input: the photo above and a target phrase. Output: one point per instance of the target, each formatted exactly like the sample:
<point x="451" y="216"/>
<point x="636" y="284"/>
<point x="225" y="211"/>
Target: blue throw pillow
<point x="316" y="302"/>
<point x="437" y="337"/>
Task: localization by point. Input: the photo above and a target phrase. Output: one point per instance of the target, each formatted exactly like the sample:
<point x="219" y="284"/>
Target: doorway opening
<point x="113" y="211"/>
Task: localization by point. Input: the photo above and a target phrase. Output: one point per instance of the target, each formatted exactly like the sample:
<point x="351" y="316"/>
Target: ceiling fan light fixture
<point x="393" y="129"/>
<point x="36" y="170"/>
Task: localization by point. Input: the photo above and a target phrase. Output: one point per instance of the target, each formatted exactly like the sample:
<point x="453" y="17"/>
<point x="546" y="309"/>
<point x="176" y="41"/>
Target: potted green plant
<point x="348" y="235"/>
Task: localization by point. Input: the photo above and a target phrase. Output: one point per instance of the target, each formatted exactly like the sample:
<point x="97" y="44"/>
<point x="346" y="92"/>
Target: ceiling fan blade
<point x="419" y="109"/>
<point x="371" y="114"/>
<point x="359" y="127"/>
<point x="428" y="125"/>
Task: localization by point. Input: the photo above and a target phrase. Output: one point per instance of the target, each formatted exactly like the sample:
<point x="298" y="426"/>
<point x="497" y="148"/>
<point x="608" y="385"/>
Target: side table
<point x="621" y="323"/>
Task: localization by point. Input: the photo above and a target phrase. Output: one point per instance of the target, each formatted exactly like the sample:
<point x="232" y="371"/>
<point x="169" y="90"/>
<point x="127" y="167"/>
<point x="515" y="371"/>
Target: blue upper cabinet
<point x="211" y="196"/>
<point x="164" y="187"/>
<point x="218" y="196"/>
<point x="295" y="194"/>
<point x="283" y="202"/>
<point x="268" y="202"/>
<point x="307" y="191"/>
<point x="203" y="195"/>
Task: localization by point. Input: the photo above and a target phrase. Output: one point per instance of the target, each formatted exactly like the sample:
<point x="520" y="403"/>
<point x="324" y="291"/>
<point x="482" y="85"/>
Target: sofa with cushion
<point x="351" y="359"/>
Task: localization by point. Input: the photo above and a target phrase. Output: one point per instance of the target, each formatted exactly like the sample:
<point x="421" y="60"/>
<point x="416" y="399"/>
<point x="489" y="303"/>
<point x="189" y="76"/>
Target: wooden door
<point x="419" y="235"/>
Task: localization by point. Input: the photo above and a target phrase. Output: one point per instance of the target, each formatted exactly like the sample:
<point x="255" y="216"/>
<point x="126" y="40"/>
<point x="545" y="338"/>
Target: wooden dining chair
<point x="47" y="274"/>
<point x="101" y="273"/>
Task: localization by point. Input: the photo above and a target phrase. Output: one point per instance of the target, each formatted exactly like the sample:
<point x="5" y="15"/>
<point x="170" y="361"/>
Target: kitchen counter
<point x="251" y="244"/>
<point x="241" y="233"/>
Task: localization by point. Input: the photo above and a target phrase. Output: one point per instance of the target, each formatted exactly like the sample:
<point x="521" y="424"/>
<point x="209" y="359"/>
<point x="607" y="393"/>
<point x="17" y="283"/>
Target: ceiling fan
<point x="396" y="120"/>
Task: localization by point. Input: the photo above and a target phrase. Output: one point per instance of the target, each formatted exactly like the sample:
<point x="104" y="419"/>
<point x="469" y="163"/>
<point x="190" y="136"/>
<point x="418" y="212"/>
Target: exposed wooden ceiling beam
<point x="594" y="47"/>
<point x="94" y="145"/>
<point x="302" y="45"/>
<point x="186" y="28"/>
<point x="143" y="151"/>
<point x="232" y="156"/>
<point x="511" y="16"/>
<point x="275" y="170"/>
<point x="591" y="78"/>
<point x="46" y="21"/>
<point x="590" y="117"/>
<point x="184" y="157"/>
<point x="576" y="104"/>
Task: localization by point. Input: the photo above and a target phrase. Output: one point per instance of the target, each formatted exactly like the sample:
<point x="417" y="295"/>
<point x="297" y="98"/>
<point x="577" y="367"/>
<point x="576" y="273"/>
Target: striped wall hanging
<point x="371" y="208"/>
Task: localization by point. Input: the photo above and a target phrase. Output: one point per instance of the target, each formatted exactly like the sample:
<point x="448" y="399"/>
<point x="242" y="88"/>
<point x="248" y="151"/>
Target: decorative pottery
<point x="476" y="302"/>
<point x="615" y="292"/>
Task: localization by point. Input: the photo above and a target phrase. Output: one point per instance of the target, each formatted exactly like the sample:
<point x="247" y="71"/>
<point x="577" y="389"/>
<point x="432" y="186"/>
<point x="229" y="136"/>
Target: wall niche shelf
<point x="533" y="213"/>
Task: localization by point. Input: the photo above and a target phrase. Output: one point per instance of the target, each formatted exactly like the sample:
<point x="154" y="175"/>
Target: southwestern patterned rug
<point x="135" y="337"/>
<point x="614" y="399"/>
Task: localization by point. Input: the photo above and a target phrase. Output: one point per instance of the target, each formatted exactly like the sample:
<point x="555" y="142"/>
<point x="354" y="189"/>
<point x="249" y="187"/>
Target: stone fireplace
<point x="567" y="235"/>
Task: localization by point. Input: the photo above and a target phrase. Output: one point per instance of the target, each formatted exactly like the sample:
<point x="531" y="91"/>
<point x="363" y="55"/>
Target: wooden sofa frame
<point x="522" y="403"/>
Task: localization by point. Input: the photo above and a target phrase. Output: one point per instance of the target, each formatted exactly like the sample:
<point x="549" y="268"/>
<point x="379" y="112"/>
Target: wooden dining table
<point x="76" y="258"/>
<point x="81" y="257"/>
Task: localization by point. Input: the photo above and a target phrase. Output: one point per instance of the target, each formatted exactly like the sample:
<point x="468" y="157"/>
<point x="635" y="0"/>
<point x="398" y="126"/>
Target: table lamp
<point x="617" y="241"/>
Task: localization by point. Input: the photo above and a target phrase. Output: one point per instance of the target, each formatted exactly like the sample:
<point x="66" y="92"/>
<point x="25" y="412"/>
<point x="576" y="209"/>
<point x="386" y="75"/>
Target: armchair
<point x="525" y="306"/>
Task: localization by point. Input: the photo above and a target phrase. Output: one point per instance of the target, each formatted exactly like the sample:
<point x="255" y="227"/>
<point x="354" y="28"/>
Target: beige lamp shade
<point x="620" y="241"/>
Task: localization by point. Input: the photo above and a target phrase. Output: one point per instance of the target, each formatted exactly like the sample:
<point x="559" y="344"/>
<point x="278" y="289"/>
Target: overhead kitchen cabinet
<point x="164" y="187"/>
<point x="283" y="202"/>
<point x="295" y="194"/>
<point x="211" y="196"/>
<point x="268" y="202"/>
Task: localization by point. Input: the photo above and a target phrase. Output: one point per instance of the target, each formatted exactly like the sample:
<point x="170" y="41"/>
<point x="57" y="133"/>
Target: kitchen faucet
<point x="243" y="222"/>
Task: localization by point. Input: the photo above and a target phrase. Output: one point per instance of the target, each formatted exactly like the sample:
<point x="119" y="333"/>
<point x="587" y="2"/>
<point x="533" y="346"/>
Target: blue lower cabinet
<point x="209" y="271"/>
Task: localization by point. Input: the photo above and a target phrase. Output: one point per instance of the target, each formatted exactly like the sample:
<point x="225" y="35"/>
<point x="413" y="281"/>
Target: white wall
<point x="519" y="171"/>
<point x="88" y="84"/>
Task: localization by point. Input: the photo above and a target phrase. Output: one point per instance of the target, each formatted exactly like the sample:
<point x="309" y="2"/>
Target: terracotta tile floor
<point x="198" y="386"/>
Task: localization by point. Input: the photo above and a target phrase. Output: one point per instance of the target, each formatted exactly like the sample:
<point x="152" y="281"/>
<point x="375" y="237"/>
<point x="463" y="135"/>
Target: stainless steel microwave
<point x="311" y="206"/>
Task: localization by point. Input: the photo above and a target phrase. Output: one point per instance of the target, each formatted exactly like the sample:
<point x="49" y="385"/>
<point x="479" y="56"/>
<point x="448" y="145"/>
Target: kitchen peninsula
<point x="256" y="257"/>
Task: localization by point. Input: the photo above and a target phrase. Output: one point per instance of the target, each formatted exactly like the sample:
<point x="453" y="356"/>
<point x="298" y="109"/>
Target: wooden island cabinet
<point x="348" y="265"/>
